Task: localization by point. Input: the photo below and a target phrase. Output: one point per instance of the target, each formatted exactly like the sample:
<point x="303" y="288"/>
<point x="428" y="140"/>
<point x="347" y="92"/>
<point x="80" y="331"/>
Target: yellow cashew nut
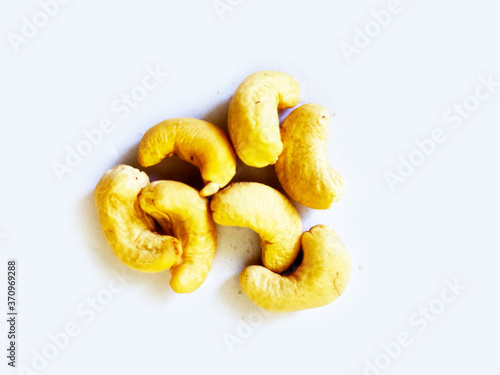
<point x="302" y="168"/>
<point x="181" y="209"/>
<point x="266" y="211"/>
<point x="253" y="121"/>
<point x="195" y="141"/>
<point x="321" y="278"/>
<point x="131" y="233"/>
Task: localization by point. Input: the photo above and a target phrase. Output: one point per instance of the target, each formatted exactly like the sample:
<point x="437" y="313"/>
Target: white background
<point x="440" y="224"/>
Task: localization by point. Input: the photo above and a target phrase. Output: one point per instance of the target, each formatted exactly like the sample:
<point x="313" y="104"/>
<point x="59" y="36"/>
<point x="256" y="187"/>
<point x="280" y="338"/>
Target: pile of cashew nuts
<point x="154" y="226"/>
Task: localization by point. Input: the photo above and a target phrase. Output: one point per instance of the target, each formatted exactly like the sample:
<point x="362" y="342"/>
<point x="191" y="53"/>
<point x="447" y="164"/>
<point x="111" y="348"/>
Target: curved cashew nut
<point x="302" y="168"/>
<point x="180" y="208"/>
<point x="195" y="141"/>
<point x="321" y="277"/>
<point x="266" y="211"/>
<point x="253" y="121"/>
<point x="131" y="233"/>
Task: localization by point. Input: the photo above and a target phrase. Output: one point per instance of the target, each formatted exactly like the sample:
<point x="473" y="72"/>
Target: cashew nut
<point x="266" y="211"/>
<point x="302" y="168"/>
<point x="321" y="277"/>
<point x="253" y="121"/>
<point x="195" y="141"/>
<point x="131" y="233"/>
<point x="180" y="208"/>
